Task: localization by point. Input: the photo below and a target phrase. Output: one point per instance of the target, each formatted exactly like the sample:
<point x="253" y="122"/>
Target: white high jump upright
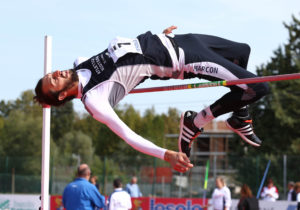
<point x="46" y="131"/>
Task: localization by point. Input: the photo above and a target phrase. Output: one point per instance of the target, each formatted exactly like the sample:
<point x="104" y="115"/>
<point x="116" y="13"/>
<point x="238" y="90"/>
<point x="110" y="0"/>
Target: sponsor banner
<point x="146" y="203"/>
<point x="19" y="202"/>
<point x="176" y="203"/>
<point x="32" y="202"/>
<point x="269" y="205"/>
<point x="140" y="203"/>
<point x="56" y="202"/>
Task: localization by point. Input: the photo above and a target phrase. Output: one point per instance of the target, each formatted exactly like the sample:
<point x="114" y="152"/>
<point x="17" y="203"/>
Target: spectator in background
<point x="221" y="197"/>
<point x="247" y="200"/>
<point x="81" y="194"/>
<point x="270" y="192"/>
<point x="133" y="189"/>
<point x="291" y="196"/>
<point x="94" y="180"/>
<point x="297" y="190"/>
<point x="119" y="199"/>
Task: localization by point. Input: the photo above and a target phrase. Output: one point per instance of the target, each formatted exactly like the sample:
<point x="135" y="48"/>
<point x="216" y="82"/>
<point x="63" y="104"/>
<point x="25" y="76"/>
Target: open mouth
<point x="64" y="74"/>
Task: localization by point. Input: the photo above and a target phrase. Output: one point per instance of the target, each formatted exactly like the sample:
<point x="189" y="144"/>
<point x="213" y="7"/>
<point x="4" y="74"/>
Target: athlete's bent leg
<point x="206" y="62"/>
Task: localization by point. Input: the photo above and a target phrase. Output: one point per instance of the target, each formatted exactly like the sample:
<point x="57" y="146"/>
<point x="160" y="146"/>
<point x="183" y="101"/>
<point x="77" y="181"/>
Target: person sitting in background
<point x="119" y="199"/>
<point x="270" y="192"/>
<point x="133" y="188"/>
<point x="247" y="200"/>
<point x="291" y="193"/>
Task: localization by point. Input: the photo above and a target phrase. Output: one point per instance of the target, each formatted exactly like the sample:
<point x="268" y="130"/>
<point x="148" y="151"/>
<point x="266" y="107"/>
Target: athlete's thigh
<point x="204" y="63"/>
<point x="232" y="51"/>
<point x="223" y="46"/>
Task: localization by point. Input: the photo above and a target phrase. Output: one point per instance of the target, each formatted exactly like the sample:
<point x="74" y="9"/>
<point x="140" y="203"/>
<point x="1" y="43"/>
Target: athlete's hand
<point x="169" y="30"/>
<point x="178" y="160"/>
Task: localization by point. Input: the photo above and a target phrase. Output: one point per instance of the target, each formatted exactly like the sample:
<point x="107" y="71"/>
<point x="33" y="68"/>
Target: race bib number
<point x="120" y="46"/>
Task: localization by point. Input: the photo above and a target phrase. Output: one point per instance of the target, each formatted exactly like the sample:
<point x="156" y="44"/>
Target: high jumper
<point x="104" y="79"/>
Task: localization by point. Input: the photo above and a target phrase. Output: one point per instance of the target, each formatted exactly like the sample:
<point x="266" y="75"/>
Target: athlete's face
<point x="58" y="81"/>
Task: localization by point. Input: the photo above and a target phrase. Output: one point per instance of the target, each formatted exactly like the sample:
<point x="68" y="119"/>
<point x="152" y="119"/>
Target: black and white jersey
<point x="106" y="78"/>
<point x="153" y="60"/>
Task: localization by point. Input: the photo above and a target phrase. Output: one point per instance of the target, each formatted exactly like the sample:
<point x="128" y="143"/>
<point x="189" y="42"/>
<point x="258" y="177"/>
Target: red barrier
<point x="158" y="174"/>
<point x="147" y="203"/>
<point x="176" y="203"/>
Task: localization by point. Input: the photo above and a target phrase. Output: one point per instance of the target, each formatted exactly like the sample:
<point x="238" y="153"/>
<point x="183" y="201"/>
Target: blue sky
<point x="84" y="28"/>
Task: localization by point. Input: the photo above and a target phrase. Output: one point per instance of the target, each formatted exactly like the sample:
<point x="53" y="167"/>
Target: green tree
<point x="105" y="142"/>
<point x="76" y="145"/>
<point x="152" y="127"/>
<point x="88" y="125"/>
<point x="21" y="133"/>
<point x="24" y="103"/>
<point x="131" y="117"/>
<point x="1" y="133"/>
<point x="277" y="116"/>
<point x="171" y="122"/>
<point x="62" y="120"/>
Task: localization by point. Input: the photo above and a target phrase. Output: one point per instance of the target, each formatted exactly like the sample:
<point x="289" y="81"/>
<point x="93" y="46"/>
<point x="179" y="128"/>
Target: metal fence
<point x="155" y="177"/>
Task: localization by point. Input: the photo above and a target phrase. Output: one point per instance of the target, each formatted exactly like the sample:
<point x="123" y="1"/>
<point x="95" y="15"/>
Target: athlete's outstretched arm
<point x="103" y="112"/>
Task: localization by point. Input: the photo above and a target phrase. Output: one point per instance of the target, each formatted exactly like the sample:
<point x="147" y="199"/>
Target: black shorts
<point x="213" y="58"/>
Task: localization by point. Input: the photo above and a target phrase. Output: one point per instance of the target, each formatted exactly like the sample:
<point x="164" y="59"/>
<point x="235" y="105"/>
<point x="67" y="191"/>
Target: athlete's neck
<point x="73" y="91"/>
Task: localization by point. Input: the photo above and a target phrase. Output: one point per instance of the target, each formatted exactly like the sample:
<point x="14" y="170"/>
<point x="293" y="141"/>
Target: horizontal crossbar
<point x="220" y="83"/>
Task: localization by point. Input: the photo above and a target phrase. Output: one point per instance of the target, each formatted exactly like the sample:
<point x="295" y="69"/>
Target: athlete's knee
<point x="261" y="89"/>
<point x="255" y="92"/>
<point x="246" y="49"/>
<point x="243" y="55"/>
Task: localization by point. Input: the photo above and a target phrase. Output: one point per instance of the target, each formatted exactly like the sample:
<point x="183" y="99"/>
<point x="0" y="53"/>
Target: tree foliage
<point x="276" y="117"/>
<point x="76" y="136"/>
<point x="21" y="132"/>
<point x="62" y="120"/>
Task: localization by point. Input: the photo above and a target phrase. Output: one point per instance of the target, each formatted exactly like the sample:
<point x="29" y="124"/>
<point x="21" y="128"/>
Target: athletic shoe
<point x="188" y="132"/>
<point x="243" y="127"/>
